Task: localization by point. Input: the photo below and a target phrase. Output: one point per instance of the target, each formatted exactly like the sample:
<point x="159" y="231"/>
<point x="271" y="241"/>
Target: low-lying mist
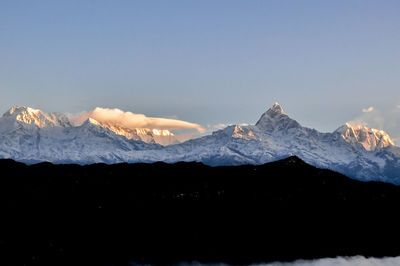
<point x="339" y="261"/>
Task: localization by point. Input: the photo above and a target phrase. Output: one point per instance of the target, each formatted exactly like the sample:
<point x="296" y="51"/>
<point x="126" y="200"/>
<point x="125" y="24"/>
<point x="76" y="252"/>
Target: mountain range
<point x="30" y="135"/>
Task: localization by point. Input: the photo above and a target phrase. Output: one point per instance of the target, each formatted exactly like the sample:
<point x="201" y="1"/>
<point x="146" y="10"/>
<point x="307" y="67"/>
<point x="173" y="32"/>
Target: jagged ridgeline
<point x="30" y="136"/>
<point x="168" y="213"/>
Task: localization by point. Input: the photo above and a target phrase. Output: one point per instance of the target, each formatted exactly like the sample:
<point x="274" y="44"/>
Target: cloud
<point x="341" y="261"/>
<point x="367" y="110"/>
<point x="218" y="126"/>
<point x="132" y="120"/>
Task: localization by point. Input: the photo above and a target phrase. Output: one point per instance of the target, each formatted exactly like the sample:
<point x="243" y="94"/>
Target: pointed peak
<point x="276" y="109"/>
<point x="276" y="119"/>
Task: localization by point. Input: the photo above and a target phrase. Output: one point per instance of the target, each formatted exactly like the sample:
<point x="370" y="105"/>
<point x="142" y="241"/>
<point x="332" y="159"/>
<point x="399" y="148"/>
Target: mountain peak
<point x="92" y="121"/>
<point x="25" y="115"/>
<point x="28" y="115"/>
<point x="370" y="138"/>
<point x="18" y="110"/>
<point x="273" y="115"/>
<point x="276" y="109"/>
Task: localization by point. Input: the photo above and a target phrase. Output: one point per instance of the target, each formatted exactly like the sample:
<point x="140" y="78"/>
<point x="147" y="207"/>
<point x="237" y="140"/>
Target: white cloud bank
<point x="339" y="261"/>
<point x="132" y="120"/>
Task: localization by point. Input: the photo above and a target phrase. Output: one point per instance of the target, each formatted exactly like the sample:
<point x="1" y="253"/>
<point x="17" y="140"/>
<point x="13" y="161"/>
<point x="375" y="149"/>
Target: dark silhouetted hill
<point x="166" y="213"/>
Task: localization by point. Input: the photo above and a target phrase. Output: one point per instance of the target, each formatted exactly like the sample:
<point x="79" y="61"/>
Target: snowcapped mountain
<point x="359" y="152"/>
<point x="41" y="119"/>
<point x="362" y="153"/>
<point x="161" y="136"/>
<point x="31" y="135"/>
<point x="27" y="115"/>
<point x="371" y="139"/>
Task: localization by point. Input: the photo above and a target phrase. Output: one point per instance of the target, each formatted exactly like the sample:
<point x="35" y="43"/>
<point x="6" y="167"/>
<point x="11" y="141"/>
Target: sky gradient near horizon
<point x="207" y="62"/>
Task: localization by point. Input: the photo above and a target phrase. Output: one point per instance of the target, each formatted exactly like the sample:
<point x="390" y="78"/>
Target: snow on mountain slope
<point x="277" y="136"/>
<point x="160" y="136"/>
<point x="30" y="116"/>
<point x="367" y="154"/>
<point x="31" y="135"/>
<point x="41" y="119"/>
<point x="370" y="138"/>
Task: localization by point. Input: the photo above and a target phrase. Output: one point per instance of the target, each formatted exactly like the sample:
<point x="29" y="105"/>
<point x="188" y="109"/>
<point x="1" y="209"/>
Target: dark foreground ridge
<point x="166" y="213"/>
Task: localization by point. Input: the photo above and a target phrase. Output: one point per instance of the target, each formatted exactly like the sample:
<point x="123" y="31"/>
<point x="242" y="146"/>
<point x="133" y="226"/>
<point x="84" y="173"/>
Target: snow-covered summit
<point x="275" y="112"/>
<point x="36" y="117"/>
<point x="276" y="109"/>
<point x="91" y="121"/>
<point x="18" y="110"/>
<point x="275" y="119"/>
<point x="160" y="136"/>
<point x="370" y="138"/>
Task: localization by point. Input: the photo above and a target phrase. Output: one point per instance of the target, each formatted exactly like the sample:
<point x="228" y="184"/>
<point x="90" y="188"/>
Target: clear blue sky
<point x="203" y="61"/>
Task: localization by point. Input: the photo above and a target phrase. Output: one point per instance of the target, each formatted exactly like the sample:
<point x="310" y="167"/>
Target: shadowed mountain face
<point x="166" y="213"/>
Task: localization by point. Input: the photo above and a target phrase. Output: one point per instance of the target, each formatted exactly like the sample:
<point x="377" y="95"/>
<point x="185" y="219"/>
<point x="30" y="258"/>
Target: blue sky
<point x="206" y="62"/>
